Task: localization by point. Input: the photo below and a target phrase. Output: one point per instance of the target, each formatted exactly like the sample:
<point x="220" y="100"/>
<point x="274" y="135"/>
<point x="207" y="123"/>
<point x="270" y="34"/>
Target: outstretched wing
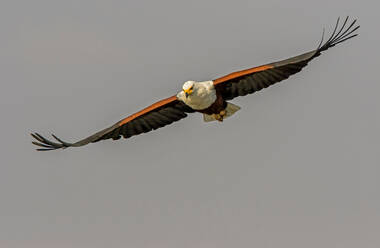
<point x="155" y="116"/>
<point x="248" y="81"/>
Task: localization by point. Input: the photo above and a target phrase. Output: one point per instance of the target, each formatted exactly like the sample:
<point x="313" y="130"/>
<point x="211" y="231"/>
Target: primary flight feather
<point x="209" y="97"/>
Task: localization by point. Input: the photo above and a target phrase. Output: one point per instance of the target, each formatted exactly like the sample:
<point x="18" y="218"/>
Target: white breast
<point x="202" y="97"/>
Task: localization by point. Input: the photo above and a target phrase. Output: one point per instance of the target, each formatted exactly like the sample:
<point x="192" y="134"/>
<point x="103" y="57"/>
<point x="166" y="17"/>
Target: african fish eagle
<point x="209" y="97"/>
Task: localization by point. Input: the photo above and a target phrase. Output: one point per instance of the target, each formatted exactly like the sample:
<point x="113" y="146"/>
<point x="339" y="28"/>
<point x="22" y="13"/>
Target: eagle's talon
<point x="218" y="117"/>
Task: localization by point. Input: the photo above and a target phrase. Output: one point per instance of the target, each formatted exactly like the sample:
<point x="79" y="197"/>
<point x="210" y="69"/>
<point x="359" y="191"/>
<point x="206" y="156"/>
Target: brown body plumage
<point x="219" y="105"/>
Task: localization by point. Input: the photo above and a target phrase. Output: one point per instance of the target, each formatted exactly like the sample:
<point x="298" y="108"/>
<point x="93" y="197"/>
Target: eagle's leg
<point x="223" y="113"/>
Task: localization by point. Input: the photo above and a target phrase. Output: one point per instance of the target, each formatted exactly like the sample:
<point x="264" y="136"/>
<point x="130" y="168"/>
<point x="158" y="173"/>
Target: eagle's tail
<point x="230" y="110"/>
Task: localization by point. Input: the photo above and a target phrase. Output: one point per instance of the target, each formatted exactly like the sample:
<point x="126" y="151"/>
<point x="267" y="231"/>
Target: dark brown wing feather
<point x="251" y="80"/>
<point x="157" y="115"/>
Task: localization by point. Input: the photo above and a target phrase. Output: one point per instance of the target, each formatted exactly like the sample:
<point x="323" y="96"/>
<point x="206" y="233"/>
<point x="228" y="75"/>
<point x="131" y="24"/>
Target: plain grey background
<point x="298" y="166"/>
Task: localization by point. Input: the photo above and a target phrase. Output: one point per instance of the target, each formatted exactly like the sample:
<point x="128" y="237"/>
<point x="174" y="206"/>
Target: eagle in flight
<point x="209" y="97"/>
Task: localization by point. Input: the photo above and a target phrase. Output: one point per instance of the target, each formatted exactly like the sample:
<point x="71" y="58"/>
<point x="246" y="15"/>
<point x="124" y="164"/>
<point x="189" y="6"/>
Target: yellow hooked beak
<point x="188" y="91"/>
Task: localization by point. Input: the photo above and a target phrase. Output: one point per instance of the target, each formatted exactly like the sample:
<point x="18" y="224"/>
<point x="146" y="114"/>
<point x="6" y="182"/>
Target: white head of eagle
<point x="198" y="95"/>
<point x="188" y="85"/>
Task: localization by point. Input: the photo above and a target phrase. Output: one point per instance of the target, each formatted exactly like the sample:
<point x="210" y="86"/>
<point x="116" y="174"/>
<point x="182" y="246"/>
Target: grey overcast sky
<point x="298" y="166"/>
